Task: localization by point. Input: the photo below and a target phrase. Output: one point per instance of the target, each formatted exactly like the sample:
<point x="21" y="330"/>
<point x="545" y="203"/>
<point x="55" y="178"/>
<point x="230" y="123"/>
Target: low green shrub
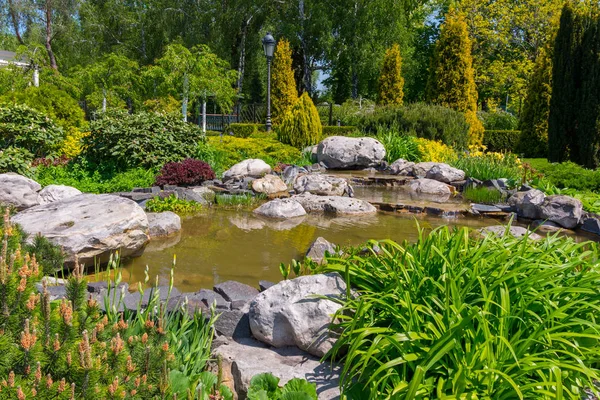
<point x="301" y="126"/>
<point x="485" y="166"/>
<point x="23" y="127"/>
<point x="266" y="387"/>
<point x="172" y="203"/>
<point x="501" y="141"/>
<point x="338" y="131"/>
<point x="244" y="130"/>
<point x="458" y="316"/>
<point x="567" y="175"/>
<point x="498" y="120"/>
<point x="16" y="159"/>
<point x="238" y="200"/>
<point x="483" y="195"/>
<point x="398" y="145"/>
<point x="82" y="177"/>
<point x="146" y="140"/>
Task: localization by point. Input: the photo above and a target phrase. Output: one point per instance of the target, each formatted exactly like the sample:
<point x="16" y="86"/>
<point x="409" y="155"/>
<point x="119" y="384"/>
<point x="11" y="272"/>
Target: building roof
<point x="10" y="57"/>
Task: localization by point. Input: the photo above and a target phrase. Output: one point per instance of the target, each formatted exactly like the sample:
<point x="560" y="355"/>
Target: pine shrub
<point x="301" y="126"/>
<point x="189" y="172"/>
<point x="283" y="90"/>
<point x="391" y="82"/>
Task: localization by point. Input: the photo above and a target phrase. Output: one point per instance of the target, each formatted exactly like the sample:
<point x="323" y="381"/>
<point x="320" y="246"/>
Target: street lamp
<point x="269" y="47"/>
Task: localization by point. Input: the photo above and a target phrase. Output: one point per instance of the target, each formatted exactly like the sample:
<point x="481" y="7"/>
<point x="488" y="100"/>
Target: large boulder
<point x="445" y="173"/>
<point x="163" y="224"/>
<point x="564" y="210"/>
<point x="293" y="313"/>
<point x="269" y="184"/>
<point x="527" y="204"/>
<point x="281" y="208"/>
<point x="89" y="226"/>
<point x="401" y="167"/>
<point x="334" y="204"/>
<point x="252" y="167"/>
<point x="52" y="193"/>
<point x="322" y="185"/>
<point x="18" y="191"/>
<point x="429" y="187"/>
<point x="340" y="152"/>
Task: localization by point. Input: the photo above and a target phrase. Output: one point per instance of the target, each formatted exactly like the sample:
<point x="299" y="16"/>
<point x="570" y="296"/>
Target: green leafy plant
<point x="266" y="387"/>
<point x="501" y="141"/>
<point x="483" y="195"/>
<point x="244" y="130"/>
<point x="498" y="120"/>
<point x="301" y="125"/>
<point x="146" y="140"/>
<point x="172" y="203"/>
<point x="238" y="200"/>
<point x="459" y="316"/>
<point x="16" y="159"/>
<point x="398" y="145"/>
<point x="339" y="131"/>
<point x="485" y="166"/>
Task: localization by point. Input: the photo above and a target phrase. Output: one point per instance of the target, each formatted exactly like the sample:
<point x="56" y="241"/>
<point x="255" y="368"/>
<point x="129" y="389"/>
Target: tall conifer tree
<point x="391" y="82"/>
<point x="283" y="90"/>
<point x="451" y="80"/>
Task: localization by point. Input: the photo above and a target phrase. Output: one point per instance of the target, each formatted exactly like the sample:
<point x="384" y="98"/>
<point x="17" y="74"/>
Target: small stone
<point x="318" y="248"/>
<point x="162" y="224"/>
<point x="483" y="208"/>
<point x="269" y="184"/>
<point x="234" y="324"/>
<point x="264" y="285"/>
<point x="98" y="287"/>
<point x="564" y="210"/>
<point x="281" y="208"/>
<point x="233" y="291"/>
<point x="322" y="185"/>
<point x="516" y="231"/>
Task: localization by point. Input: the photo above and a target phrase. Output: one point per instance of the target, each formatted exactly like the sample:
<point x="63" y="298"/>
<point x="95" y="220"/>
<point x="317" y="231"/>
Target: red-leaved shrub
<point x="188" y="172"/>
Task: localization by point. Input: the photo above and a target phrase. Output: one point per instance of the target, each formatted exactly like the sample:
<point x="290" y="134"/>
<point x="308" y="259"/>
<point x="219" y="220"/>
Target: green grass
<point x="453" y="316"/>
<point x="172" y="203"/>
<point x="489" y="166"/>
<point x="483" y="195"/>
<point x="238" y="201"/>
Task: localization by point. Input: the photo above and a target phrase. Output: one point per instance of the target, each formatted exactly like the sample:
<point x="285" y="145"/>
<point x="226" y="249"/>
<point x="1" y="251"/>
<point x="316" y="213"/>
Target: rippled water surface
<point x="220" y="245"/>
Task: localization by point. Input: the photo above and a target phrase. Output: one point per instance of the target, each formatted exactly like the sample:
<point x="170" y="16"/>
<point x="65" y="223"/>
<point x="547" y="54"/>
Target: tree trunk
<point x="103" y="100"/>
<point x="306" y="74"/>
<point x="15" y="21"/>
<point x="48" y="11"/>
<point x="184" y="103"/>
<point x="242" y="61"/>
<point x="204" y="116"/>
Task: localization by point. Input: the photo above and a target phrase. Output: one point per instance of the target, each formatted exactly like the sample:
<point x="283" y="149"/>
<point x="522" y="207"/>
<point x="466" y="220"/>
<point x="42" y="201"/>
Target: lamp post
<point x="269" y="47"/>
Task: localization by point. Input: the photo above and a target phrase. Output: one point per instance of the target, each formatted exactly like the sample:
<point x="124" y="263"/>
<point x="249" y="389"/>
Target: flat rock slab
<point x="18" y="191"/>
<point x="484" y="208"/>
<point x="247" y="357"/>
<point x="235" y="291"/>
<point x="89" y="226"/>
<point x="334" y="204"/>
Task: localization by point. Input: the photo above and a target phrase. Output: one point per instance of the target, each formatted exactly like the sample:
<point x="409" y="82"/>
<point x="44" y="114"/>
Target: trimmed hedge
<point x="245" y="130"/>
<point x="338" y="130"/>
<point x="501" y="141"/>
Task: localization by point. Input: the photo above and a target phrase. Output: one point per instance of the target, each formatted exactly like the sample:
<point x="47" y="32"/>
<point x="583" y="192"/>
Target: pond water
<point x="221" y="245"/>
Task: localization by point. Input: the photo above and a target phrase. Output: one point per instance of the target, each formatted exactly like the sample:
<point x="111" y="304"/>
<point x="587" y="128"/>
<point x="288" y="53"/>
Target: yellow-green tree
<point x="451" y="76"/>
<point x="301" y="125"/>
<point x="283" y="91"/>
<point x="391" y="82"/>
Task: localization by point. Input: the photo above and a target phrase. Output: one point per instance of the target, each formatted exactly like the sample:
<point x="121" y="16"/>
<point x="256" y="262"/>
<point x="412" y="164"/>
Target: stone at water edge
<point x="235" y="291"/>
<point x="163" y="224"/>
<point x="445" y="173"/>
<point x="516" y="231"/>
<point x="401" y="167"/>
<point x="18" y="191"/>
<point x="89" y="226"/>
<point x="322" y="185"/>
<point x="281" y="208"/>
<point x="252" y="167"/>
<point x="429" y="187"/>
<point x="527" y="204"/>
<point x="269" y="185"/>
<point x="421" y="169"/>
<point x="206" y="193"/>
<point x="291" y="172"/>
<point x="291" y="313"/>
<point x="564" y="210"/>
<point x="52" y="193"/>
<point x="317" y="249"/>
<point x="334" y="205"/>
<point x="340" y="152"/>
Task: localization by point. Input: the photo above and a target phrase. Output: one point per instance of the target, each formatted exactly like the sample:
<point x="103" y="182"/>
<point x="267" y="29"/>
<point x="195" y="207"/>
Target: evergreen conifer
<point x="283" y="90"/>
<point x="301" y="126"/>
<point x="391" y="82"/>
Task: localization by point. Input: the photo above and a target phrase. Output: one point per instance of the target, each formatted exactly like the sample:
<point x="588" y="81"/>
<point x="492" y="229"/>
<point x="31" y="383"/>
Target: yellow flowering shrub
<point x="435" y="151"/>
<point x="71" y="147"/>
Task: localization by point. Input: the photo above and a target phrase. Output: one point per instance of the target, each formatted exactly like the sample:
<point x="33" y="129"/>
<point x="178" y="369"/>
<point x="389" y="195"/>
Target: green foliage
<point x="238" y="200"/>
<point x="172" y="203"/>
<point x="457" y="316"/>
<point x="50" y="257"/>
<point x="451" y="82"/>
<point x="425" y="121"/>
<point x="16" y="159"/>
<point x="140" y="140"/>
<point x="498" y="120"/>
<point x="283" y="86"/>
<point x="244" y="130"/>
<point x="301" y="126"/>
<point x="339" y="131"/>
<point x="26" y="128"/>
<point x="501" y="141"/>
<point x="398" y="145"/>
<point x="489" y="166"/>
<point x="534" y="119"/>
<point x="568" y="175"/>
<point x="88" y="180"/>
<point x="483" y="195"/>
<point x="391" y="82"/>
<point x="266" y="387"/>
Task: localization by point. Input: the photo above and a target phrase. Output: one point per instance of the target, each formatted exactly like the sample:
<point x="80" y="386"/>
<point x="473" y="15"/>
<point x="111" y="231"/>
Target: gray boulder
<point x="516" y="231"/>
<point x="206" y="193"/>
<point x="322" y="185"/>
<point x="334" y="204"/>
<point x="89" y="226"/>
<point x="281" y="208"/>
<point x="235" y="291"/>
<point x="340" y="152"/>
<point x="52" y="193"/>
<point x="292" y="313"/>
<point x="429" y="187"/>
<point x="527" y="204"/>
<point x="163" y="224"/>
<point x="317" y="250"/>
<point x="421" y="169"/>
<point x="564" y="210"/>
<point x="269" y="185"/>
<point x="252" y="167"/>
<point x="401" y="167"/>
<point x="445" y="173"/>
<point x="18" y="191"/>
<point x="291" y="172"/>
<point x="591" y="223"/>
